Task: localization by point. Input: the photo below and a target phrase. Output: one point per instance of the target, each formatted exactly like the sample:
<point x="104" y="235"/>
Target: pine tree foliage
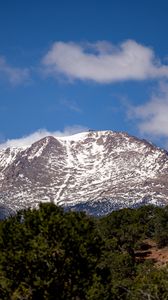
<point x="50" y="254"/>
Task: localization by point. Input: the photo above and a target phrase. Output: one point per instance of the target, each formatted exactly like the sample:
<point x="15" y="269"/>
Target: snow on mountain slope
<point x="96" y="170"/>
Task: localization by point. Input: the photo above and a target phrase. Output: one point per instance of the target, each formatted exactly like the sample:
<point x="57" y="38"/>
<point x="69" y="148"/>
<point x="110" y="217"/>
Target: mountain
<point x="96" y="171"/>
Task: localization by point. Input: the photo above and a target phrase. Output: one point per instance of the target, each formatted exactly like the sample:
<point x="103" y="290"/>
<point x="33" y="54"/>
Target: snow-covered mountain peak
<point x="101" y="170"/>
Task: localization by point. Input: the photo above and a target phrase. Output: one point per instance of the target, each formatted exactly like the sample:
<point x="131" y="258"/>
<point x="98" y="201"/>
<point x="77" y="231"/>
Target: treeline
<point x="55" y="255"/>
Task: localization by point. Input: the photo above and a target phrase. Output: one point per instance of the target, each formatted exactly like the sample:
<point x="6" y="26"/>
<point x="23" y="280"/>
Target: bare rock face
<point x="96" y="171"/>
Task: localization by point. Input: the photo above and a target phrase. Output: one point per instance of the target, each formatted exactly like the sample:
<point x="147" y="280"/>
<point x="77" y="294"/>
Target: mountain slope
<point x="96" y="170"/>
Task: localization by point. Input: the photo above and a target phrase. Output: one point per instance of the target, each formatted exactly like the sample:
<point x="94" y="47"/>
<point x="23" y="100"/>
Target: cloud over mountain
<point x="28" y="140"/>
<point x="152" y="115"/>
<point x="103" y="62"/>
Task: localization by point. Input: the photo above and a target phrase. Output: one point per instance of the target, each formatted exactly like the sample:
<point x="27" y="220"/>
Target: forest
<point x="50" y="254"/>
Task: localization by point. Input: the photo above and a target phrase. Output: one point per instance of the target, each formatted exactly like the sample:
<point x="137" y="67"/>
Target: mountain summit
<point x="97" y="171"/>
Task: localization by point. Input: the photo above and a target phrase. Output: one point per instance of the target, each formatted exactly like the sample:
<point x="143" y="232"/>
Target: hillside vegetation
<point x="55" y="255"/>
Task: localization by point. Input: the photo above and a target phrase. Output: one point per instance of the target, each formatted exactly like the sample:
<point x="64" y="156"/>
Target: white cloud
<point x="30" y="139"/>
<point x="152" y="116"/>
<point x="102" y="62"/>
<point x="14" y="75"/>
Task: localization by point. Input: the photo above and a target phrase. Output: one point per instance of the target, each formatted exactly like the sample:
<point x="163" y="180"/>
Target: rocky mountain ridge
<point x="96" y="171"/>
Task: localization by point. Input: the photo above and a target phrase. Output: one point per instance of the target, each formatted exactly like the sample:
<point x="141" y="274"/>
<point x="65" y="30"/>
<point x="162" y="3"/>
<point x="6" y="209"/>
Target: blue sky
<point x="66" y="66"/>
